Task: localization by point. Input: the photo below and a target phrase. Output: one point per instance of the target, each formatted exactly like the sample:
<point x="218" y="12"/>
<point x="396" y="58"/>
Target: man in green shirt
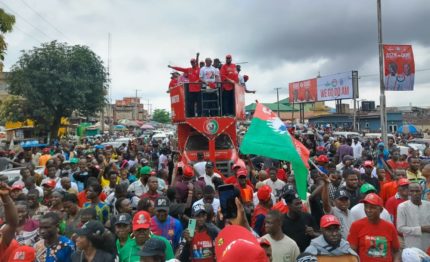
<point x="129" y="247"/>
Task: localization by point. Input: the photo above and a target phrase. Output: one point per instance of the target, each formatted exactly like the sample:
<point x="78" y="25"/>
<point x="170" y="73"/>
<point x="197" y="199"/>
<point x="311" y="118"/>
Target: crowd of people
<point x="139" y="202"/>
<point x="208" y="76"/>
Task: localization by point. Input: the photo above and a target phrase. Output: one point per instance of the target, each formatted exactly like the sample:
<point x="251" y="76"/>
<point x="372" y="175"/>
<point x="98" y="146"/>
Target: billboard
<point x="325" y="88"/>
<point x="303" y="91"/>
<point x="399" y="68"/>
<point x="333" y="87"/>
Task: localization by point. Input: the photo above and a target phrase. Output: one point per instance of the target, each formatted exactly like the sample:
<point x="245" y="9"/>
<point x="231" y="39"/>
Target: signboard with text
<point x="303" y="91"/>
<point x="325" y="88"/>
<point x="333" y="87"/>
<point x="399" y="68"/>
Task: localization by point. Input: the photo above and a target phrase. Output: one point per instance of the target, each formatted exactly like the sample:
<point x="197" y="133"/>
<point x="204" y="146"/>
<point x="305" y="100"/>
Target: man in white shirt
<point x="283" y="247"/>
<point x="273" y="181"/>
<point x="209" y="198"/>
<point x="357" y="211"/>
<point x="200" y="165"/>
<point x="209" y="174"/>
<point x="140" y="186"/>
<point x="209" y="74"/>
<point x="357" y="148"/>
<point x="413" y="219"/>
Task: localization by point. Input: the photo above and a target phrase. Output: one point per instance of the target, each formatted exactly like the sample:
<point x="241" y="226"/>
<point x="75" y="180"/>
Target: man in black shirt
<point x="299" y="226"/>
<point x="351" y="186"/>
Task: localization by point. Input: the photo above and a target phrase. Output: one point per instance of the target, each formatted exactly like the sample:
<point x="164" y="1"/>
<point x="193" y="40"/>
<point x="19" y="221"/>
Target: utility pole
<point x="110" y="106"/>
<point x="277" y="98"/>
<point x="381" y="77"/>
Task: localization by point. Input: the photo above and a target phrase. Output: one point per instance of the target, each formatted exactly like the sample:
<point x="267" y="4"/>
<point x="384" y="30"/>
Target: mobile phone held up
<point x="191" y="226"/>
<point x="227" y="194"/>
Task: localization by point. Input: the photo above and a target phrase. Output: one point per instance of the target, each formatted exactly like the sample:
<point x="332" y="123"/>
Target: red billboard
<point x="399" y="68"/>
<point x="303" y="91"/>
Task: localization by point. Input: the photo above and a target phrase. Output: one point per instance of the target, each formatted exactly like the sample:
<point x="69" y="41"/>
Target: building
<point x="128" y="108"/>
<point x="366" y="121"/>
<point x="291" y="112"/>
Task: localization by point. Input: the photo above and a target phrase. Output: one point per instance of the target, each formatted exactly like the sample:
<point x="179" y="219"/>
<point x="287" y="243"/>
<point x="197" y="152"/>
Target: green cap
<point x="74" y="160"/>
<point x="365" y="188"/>
<point x="146" y="170"/>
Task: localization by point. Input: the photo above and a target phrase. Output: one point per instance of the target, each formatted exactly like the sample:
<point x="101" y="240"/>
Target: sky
<point x="277" y="41"/>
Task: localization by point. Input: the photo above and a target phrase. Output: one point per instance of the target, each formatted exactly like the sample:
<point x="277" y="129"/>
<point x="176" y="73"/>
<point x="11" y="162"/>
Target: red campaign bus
<point x="214" y="134"/>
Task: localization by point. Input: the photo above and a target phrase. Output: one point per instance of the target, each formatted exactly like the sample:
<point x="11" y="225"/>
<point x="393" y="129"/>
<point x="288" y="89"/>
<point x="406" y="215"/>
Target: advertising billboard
<point x="303" y="91"/>
<point x="325" y="88"/>
<point x="337" y="86"/>
<point x="399" y="68"/>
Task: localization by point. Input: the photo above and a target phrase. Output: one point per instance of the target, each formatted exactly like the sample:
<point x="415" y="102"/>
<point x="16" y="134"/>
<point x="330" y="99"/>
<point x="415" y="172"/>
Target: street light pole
<point x="381" y="77"/>
<point x="277" y="98"/>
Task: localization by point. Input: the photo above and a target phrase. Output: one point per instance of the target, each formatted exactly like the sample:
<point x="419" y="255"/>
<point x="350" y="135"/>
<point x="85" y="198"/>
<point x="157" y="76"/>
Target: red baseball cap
<point x="50" y="183"/>
<point x="45" y="150"/>
<point x="235" y="243"/>
<point x="141" y="219"/>
<point x="188" y="171"/>
<point x="322" y="158"/>
<point x="329" y="220"/>
<point x="153" y="173"/>
<point x="368" y="163"/>
<point x="373" y="199"/>
<point x="403" y="182"/>
<point x="263" y="193"/>
<point x="23" y="254"/>
<point x="242" y="172"/>
<point x="228" y="56"/>
<point x="17" y="187"/>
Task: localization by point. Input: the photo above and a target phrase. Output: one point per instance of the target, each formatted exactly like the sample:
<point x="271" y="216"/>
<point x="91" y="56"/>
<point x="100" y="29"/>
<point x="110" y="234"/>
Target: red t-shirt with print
<point x="374" y="242"/>
<point x="202" y="247"/>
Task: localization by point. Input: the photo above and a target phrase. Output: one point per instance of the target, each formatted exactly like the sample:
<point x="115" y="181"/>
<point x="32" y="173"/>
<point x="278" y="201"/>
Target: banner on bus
<point x="399" y="68"/>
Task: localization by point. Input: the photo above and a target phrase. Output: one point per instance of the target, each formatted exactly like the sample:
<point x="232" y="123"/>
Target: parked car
<point x="13" y="174"/>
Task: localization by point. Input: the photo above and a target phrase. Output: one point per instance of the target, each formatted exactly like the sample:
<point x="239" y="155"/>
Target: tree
<point x="6" y="23"/>
<point x="161" y="116"/>
<point x="55" y="80"/>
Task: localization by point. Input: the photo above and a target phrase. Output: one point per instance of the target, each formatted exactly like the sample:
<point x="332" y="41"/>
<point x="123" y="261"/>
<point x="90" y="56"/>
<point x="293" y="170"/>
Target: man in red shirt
<point x="374" y="239"/>
<point x="261" y="210"/>
<point x="8" y="244"/>
<point x="229" y="77"/>
<point x="193" y="94"/>
<point x="173" y="80"/>
<point x="401" y="196"/>
<point x="199" y="245"/>
<point x="395" y="162"/>
<point x="389" y="189"/>
<point x="152" y="193"/>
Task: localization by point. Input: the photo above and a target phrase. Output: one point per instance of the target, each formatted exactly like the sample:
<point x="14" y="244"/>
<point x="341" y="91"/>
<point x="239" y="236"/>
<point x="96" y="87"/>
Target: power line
<point x="25" y="20"/>
<point x="28" y="34"/>
<point x="39" y="15"/>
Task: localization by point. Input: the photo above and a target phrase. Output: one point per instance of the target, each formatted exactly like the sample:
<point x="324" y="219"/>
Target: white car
<point x="13" y="174"/>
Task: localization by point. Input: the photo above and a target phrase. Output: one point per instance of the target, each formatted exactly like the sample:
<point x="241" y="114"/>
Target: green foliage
<point x="56" y="80"/>
<point x="12" y="109"/>
<point x="6" y="23"/>
<point x="161" y="116"/>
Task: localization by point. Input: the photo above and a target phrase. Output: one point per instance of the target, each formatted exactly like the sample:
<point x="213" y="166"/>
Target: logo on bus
<point x="211" y="126"/>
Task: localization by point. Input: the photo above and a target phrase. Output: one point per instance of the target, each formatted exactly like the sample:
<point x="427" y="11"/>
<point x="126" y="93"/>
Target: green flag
<point x="268" y="136"/>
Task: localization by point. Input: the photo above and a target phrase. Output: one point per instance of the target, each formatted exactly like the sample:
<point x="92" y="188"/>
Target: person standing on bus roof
<point x="229" y="77"/>
<point x="194" y="97"/>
